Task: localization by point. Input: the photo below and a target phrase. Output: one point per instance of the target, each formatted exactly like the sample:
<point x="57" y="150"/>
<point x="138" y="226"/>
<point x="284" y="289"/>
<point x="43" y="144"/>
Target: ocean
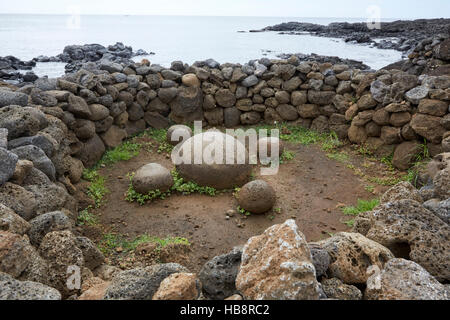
<point x="185" y="38"/>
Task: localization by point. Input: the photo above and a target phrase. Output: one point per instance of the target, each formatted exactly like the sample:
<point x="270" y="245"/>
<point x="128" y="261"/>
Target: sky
<point x="401" y="9"/>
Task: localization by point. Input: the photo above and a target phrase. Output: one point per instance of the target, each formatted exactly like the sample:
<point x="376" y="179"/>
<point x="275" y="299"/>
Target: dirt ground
<point x="311" y="189"/>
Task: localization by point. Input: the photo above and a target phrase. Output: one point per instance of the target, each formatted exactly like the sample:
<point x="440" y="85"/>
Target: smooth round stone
<point x="151" y="177"/>
<point x="257" y="197"/>
<point x="211" y="169"/>
<point x="181" y="131"/>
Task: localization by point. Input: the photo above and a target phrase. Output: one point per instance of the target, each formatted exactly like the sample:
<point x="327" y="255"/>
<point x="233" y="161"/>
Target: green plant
<point x="287" y="156"/>
<point x="243" y="211"/>
<point x="338" y="156"/>
<point x="277" y="210"/>
<point x="97" y="189"/>
<point x="362" y="206"/>
<point x="350" y="223"/>
<point x="179" y="185"/>
<point x="369" y="188"/>
<point x="86" y="218"/>
<point x="111" y="242"/>
<point x="124" y="152"/>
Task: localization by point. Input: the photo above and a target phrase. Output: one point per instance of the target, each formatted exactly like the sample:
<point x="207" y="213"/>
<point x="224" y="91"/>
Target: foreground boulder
<point x="12" y="289"/>
<point x="256" y="197"/>
<point x="277" y="265"/>
<point x="352" y="254"/>
<point x="404" y="280"/>
<point x="207" y="165"/>
<point x="410" y="231"/>
<point x="152" y="177"/>
<point x="140" y="283"/>
<point x="179" y="286"/>
<point x="218" y="276"/>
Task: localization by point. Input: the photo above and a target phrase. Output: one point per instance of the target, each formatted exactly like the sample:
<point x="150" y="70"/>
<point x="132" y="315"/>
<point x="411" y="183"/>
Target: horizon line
<point x="204" y="15"/>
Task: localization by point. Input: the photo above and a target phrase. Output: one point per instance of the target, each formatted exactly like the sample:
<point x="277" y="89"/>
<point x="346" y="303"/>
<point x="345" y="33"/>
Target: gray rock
<point x="250" y="81"/>
<point x="218" y="276"/>
<point x="321" y="259"/>
<point x="39" y="159"/>
<point x="140" y="283"/>
<point x="439" y="208"/>
<point x="110" y="66"/>
<point x="416" y="94"/>
<point x="152" y="177"/>
<point x="404" y="280"/>
<point x="12" y="289"/>
<point x="39" y="141"/>
<point x="4" y="138"/>
<point x="12" y="222"/>
<point x="22" y="121"/>
<point x="8" y="98"/>
<point x="8" y="161"/>
<point x="336" y="289"/>
<point x="48" y="222"/>
<point x="92" y="255"/>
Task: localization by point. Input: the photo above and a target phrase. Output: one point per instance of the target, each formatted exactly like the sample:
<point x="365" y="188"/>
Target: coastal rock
<point x="93" y="257"/>
<point x="404" y="280"/>
<point x="277" y="265"/>
<point x="8" y="98"/>
<point x="428" y="127"/>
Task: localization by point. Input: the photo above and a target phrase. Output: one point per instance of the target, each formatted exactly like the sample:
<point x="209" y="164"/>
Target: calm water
<point x="174" y="38"/>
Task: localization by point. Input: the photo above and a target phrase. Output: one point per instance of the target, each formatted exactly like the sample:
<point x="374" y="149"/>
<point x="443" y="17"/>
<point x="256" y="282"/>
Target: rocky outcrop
<point x="277" y="265"/>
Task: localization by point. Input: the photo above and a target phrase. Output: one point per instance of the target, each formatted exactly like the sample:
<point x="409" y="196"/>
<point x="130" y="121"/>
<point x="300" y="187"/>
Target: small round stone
<point x="151" y="177"/>
<point x="257" y="197"/>
<point x="178" y="131"/>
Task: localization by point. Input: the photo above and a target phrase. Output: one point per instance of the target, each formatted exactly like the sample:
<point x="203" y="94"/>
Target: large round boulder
<point x="178" y="132"/>
<point x="213" y="159"/>
<point x="151" y="177"/>
<point x="256" y="197"/>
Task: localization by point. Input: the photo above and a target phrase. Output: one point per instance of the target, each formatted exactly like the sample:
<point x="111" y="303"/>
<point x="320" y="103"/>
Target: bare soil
<point x="311" y="189"/>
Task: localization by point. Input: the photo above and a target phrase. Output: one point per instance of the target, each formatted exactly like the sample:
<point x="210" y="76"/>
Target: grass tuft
<point x="361" y="207"/>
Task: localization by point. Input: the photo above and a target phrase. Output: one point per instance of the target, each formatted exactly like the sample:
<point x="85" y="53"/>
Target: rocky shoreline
<point x="52" y="129"/>
<point x="407" y="33"/>
<point x="73" y="55"/>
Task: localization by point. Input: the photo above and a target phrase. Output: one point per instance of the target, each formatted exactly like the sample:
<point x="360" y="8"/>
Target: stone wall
<point x="75" y="118"/>
<point x="51" y="130"/>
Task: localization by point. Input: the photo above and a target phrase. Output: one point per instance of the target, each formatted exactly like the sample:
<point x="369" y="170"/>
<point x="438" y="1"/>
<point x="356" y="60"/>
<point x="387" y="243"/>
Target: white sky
<point x="404" y="9"/>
